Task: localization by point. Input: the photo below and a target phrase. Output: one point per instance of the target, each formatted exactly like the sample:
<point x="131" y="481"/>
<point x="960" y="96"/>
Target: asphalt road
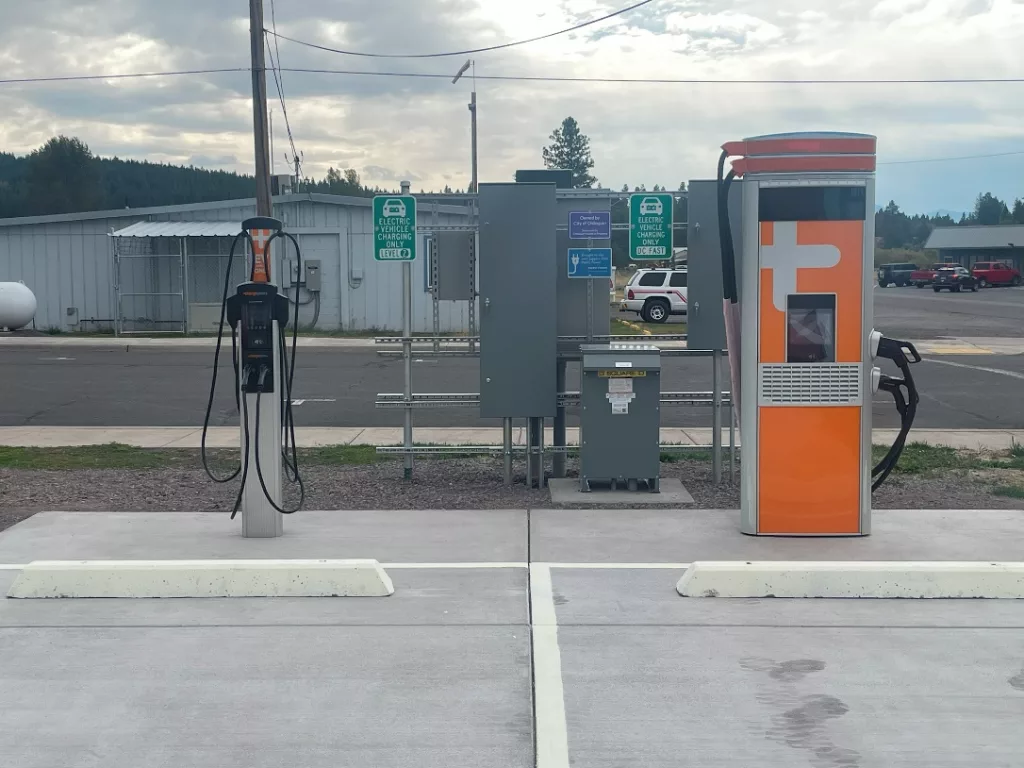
<point x="78" y="386"/>
<point x="81" y="386"/>
<point x="920" y="313"/>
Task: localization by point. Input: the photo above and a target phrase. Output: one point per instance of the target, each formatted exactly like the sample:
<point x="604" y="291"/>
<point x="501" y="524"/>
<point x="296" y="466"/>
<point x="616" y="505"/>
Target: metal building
<point x="161" y="269"/>
<point x="969" y="245"/>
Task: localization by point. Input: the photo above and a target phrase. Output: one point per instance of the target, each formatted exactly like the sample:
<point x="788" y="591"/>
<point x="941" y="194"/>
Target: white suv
<point x="656" y="294"/>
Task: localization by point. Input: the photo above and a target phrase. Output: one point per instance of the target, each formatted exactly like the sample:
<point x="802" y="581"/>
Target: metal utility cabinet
<point x="619" y="427"/>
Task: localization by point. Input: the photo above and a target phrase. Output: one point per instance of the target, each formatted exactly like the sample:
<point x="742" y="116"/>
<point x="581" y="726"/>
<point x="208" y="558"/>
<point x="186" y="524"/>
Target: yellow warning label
<point x="621" y="373"/>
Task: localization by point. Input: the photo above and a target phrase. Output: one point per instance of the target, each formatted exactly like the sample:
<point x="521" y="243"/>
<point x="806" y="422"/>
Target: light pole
<point x="472" y="111"/>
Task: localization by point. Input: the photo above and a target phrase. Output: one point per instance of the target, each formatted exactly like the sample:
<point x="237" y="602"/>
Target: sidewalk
<point x="311" y="437"/>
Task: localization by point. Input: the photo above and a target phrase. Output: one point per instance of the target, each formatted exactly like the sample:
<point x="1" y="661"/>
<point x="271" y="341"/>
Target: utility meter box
<point x="620" y="418"/>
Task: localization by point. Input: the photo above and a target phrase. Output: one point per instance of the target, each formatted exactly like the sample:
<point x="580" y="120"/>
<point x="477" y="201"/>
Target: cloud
<point x="379" y="173"/>
<point x="639" y="133"/>
<point x="213" y="161"/>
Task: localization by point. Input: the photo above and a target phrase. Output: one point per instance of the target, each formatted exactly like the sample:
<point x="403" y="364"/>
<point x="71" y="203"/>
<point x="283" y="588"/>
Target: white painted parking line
<point x="452" y="565"/>
<point x="11" y="566"/>
<point x="1000" y="371"/>
<point x="548" y="695"/>
<point x="619" y="566"/>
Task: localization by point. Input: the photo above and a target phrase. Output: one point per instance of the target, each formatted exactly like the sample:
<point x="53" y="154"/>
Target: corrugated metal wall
<point x="70" y="265"/>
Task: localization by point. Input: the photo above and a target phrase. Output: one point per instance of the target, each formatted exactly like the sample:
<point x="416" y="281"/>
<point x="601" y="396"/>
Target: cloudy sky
<point x="418" y="128"/>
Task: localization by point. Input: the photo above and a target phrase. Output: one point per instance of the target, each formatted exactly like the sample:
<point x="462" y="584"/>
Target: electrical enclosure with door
<point x="518" y="315"/>
<point x="620" y="418"/>
<point x="453" y="256"/>
<point x="705" y="320"/>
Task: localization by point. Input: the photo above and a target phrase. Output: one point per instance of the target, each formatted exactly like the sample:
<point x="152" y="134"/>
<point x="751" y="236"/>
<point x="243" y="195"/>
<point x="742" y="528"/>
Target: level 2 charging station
<point x="804" y="350"/>
<point x="258" y="314"/>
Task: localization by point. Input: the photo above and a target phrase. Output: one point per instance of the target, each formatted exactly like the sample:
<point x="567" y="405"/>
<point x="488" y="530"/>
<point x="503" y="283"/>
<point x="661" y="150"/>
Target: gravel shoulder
<point x="457" y="483"/>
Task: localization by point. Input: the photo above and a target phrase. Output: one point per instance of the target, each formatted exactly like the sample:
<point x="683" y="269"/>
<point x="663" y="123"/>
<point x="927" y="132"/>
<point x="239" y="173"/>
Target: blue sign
<point x="590" y="262"/>
<point x="590" y="225"/>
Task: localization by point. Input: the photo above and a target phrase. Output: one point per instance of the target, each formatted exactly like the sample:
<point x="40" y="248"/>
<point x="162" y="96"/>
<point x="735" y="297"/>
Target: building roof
<point x="121" y="213"/>
<point x="180" y="229"/>
<point x="1001" y="236"/>
<point x="453" y="208"/>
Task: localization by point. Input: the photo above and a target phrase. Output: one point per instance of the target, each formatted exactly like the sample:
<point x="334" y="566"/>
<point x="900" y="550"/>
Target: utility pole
<point x="472" y="111"/>
<point x="260" y="129"/>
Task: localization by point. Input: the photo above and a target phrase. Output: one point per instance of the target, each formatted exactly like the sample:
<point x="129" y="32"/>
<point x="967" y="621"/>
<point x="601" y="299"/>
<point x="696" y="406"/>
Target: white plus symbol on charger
<point x="259" y="240"/>
<point x="784" y="257"/>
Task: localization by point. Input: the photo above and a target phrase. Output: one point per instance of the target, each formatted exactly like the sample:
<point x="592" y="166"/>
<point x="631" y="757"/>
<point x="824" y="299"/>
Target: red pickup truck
<point x="923" y="277"/>
<point x="995" y="273"/>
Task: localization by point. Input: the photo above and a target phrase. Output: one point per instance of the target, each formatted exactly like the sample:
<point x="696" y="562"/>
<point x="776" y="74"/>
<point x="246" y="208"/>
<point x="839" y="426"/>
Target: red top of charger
<point x="803" y="152"/>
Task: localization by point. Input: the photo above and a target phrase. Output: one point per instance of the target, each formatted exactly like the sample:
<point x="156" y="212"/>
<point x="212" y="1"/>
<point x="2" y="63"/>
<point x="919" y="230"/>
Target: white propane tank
<point x="17" y="305"/>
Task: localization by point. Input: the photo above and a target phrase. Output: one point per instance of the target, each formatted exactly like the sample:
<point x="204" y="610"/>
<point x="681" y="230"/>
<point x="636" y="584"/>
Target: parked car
<point x="926" y="276"/>
<point x="995" y="273"/>
<point x="895" y="274"/>
<point x="954" y="280"/>
<point x="656" y="294"/>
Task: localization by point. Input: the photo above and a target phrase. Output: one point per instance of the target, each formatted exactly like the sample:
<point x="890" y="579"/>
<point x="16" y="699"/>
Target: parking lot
<point x="920" y="313"/>
<point x="515" y="638"/>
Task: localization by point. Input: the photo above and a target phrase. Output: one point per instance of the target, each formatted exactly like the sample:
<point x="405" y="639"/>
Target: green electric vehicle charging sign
<point x="394" y="228"/>
<point x="650" y="226"/>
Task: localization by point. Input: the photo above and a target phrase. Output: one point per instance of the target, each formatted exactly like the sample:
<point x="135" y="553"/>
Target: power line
<point x="539" y="78"/>
<point x="124" y="76"/>
<point x="470" y="50"/>
<point x="950" y="159"/>
<point x="284" y="108"/>
<point x="275" y="67"/>
<point x="670" y="81"/>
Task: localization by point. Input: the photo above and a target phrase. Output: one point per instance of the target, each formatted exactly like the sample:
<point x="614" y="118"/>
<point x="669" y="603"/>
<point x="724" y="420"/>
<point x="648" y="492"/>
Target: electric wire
<point x="216" y="365"/>
<point x="278" y="73"/>
<point x="538" y="78"/>
<point x="469" y="51"/>
<point x="671" y="80"/>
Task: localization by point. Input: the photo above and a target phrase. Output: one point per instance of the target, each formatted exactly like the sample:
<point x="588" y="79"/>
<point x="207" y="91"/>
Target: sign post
<point x="650" y="226"/>
<point x="394" y="239"/>
<point x="394" y="228"/>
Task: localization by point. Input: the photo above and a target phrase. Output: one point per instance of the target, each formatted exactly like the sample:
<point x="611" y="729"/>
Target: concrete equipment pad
<point x="567" y="491"/>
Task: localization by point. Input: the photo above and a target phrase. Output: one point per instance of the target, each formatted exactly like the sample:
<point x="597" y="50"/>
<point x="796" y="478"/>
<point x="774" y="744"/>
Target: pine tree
<point x="570" y="150"/>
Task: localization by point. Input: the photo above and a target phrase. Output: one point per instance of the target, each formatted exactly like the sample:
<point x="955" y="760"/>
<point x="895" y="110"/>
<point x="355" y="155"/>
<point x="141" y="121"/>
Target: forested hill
<point x="64" y="176"/>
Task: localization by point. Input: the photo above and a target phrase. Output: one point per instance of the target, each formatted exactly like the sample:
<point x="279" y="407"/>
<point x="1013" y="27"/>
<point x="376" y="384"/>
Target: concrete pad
<point x="741" y="696"/>
<point x="853" y="579"/>
<point x="649" y="678"/>
<point x="201" y="578"/>
<point x="232" y="695"/>
<point x="397" y="536"/>
<point x="567" y="491"/>
<point x="687" y="535"/>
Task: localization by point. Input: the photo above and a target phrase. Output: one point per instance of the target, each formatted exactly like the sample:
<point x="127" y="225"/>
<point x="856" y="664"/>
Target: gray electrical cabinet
<point x="518" y="316"/>
<point x="620" y="419"/>
<point x="705" y="316"/>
